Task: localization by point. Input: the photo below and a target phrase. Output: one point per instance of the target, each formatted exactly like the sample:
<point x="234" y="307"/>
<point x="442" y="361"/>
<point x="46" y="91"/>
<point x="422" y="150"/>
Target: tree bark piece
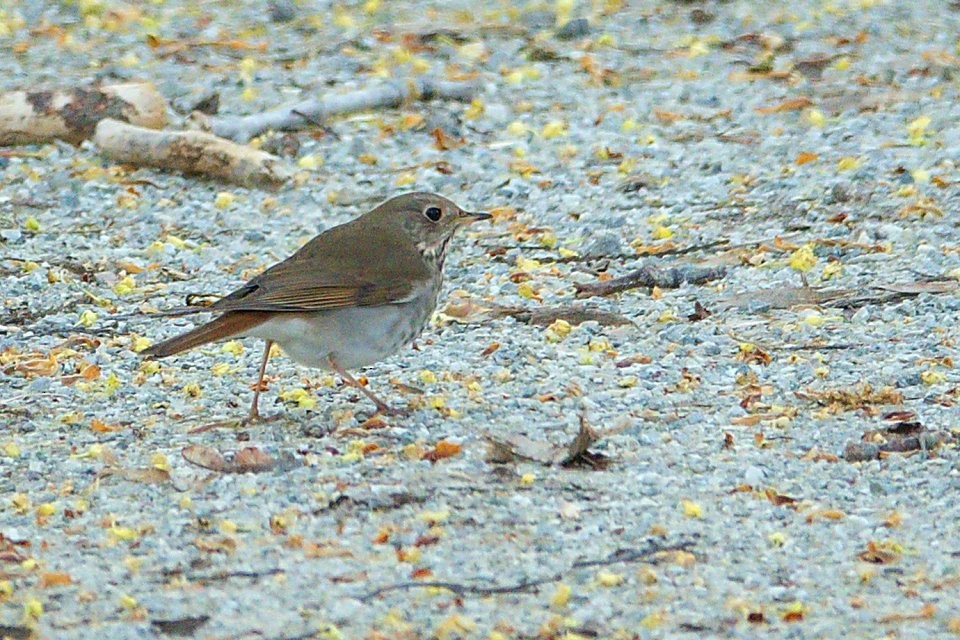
<point x="31" y="117"/>
<point x="307" y="113"/>
<point x="193" y="152"/>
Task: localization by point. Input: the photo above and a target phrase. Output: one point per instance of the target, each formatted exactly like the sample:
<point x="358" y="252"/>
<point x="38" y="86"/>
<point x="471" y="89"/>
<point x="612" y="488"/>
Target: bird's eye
<point x="433" y="213"/>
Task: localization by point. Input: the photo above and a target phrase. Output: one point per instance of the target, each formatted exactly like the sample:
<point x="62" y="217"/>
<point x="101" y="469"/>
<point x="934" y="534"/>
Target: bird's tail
<point x="226" y="326"/>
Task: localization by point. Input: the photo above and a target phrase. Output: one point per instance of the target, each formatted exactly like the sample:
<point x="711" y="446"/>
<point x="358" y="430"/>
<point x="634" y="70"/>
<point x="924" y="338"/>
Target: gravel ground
<point x="814" y="141"/>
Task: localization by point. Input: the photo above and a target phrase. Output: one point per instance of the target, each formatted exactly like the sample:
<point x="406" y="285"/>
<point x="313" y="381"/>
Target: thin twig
<point x="649" y="276"/>
<point x="461" y="589"/>
<point x="296" y="116"/>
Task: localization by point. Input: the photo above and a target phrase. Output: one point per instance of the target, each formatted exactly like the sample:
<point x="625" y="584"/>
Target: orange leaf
<point x="790" y="104"/>
<point x="41" y="365"/>
<point x="443" y="449"/>
<point x="493" y="346"/>
<point x="420" y="573"/>
<point x="667" y="116"/>
<point x="54" y="579"/>
<point x="806" y="156"/>
<point x="444" y="141"/>
<point x="99" y="426"/>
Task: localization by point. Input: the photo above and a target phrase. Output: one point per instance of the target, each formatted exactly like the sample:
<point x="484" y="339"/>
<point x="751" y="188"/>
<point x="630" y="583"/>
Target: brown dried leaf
<point x="878" y="554"/>
<point x="790" y="104"/>
<point x="517" y="446"/>
<point x="443" y="449"/>
<point x="779" y="499"/>
<point x="38" y="365"/>
<point x="147" y="475"/>
<point x="54" y="579"/>
<point x="858" y="397"/>
<point x="215" y="544"/>
<point x="247" y="460"/>
<point x="926" y="612"/>
<point x="444" y="141"/>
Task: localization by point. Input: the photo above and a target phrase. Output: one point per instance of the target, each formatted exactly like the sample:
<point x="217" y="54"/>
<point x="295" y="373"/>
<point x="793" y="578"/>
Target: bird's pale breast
<point x="354" y="336"/>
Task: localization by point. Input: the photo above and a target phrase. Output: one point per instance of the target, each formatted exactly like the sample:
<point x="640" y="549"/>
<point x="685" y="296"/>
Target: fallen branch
<point x="647" y="553"/>
<point x="31" y="117"/>
<point x="574" y="314"/>
<point x="649" y="277"/>
<point x="307" y="113"/>
<point x="193" y="152"/>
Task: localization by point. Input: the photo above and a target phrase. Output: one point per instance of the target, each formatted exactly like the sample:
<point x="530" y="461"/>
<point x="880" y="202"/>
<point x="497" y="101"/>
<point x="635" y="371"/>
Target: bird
<point x="348" y="298"/>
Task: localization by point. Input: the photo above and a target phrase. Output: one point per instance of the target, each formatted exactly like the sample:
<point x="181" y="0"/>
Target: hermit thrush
<point x="348" y="298"/>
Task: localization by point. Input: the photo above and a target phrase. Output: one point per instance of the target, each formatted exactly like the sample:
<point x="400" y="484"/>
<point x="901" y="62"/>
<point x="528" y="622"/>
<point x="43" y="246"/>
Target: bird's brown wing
<point x="329" y="273"/>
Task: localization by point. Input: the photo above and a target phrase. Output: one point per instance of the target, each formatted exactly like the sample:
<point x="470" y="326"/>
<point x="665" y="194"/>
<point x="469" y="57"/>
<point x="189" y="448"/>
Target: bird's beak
<point x="468" y="217"/>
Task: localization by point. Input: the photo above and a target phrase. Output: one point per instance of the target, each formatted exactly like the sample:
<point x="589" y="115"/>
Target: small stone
<point x="576" y="28"/>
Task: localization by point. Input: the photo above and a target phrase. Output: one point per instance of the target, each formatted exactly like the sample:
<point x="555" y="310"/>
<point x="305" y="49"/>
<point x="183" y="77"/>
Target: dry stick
<point x="679" y="251"/>
<point x="30" y="117"/>
<point x="193" y="152"/>
<point x="649" y="277"/>
<point x="307" y="112"/>
<point x="621" y="555"/>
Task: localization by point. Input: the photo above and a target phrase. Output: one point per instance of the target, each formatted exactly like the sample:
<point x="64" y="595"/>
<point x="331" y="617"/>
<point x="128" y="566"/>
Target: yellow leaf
<point x="88" y="318"/>
<point x="609" y="579"/>
<point x="223" y="200"/>
<point x="561" y="596"/>
<point x="691" y="509"/>
<point x="553" y="129"/>
<point x="310" y="162"/>
<point x="803" y="259"/>
<point x="234" y="347"/>
<point x="816" y="118"/>
<point x="848" y="163"/>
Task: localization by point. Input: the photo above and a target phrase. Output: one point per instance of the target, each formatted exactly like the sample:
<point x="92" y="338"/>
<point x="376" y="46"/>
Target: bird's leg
<point x="382" y="407"/>
<point x="254" y="415"/>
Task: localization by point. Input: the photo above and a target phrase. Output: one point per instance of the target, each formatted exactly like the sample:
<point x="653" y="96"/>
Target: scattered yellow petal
<point x="160" y="461"/>
<point x="917" y="131"/>
<point x="234" y="347"/>
<point x="609" y="579"/>
<point x="528" y="478"/>
<point x="220" y="369"/>
<point x="803" y="259"/>
<point x="32" y="609"/>
<point x="517" y="128"/>
<point x="554" y="128"/>
<point x="125" y="286"/>
<point x="653" y="620"/>
<point x="661" y="233"/>
<point x="474" y="110"/>
<point x="561" y="596"/>
<point x="558" y="330"/>
<point x="223" y="200"/>
<point x="930" y="377"/>
<point x="88" y="318"/>
<point x="405" y="179"/>
<point x="816" y="118"/>
<point x="128" y="602"/>
<point x="848" y="163"/>
<point x="691" y="509"/>
<point x="310" y="162"/>
<point x="427" y="377"/>
<point x="11" y="450"/>
<point x="31" y="224"/>
<point x="123" y="533"/>
<point x="139" y="343"/>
